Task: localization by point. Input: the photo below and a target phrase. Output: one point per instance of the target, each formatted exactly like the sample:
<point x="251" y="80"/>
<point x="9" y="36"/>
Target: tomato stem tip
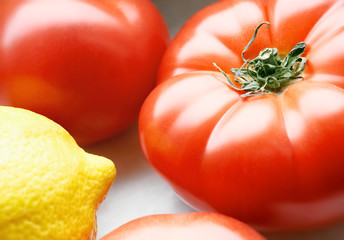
<point x="268" y="73"/>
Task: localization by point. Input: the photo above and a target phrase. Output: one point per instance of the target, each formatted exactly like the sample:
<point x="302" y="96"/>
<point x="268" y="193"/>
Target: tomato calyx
<point x="268" y="73"/>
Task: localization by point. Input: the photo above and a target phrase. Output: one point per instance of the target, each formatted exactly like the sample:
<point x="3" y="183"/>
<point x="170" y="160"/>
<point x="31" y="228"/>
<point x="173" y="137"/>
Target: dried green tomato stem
<point x="268" y="73"/>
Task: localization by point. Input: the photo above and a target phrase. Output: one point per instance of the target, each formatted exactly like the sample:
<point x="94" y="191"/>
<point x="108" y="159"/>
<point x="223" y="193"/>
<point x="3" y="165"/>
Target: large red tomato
<point x="185" y="226"/>
<point x="86" y="64"/>
<point x="273" y="160"/>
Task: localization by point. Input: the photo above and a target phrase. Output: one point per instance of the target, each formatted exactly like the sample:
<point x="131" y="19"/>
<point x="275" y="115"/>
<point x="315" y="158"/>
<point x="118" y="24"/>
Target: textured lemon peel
<point x="50" y="187"/>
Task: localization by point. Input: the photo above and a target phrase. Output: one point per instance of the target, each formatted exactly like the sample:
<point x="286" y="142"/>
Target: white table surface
<point x="138" y="190"/>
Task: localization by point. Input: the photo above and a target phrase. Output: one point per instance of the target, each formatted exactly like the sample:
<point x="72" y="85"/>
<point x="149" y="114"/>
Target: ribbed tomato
<point x="261" y="141"/>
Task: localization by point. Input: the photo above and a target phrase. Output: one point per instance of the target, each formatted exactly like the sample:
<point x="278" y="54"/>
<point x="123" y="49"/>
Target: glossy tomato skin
<point x="273" y="161"/>
<point x="184" y="226"/>
<point x="86" y="64"/>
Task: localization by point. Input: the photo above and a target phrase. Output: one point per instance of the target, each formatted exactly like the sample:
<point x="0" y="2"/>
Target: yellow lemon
<point x="49" y="187"/>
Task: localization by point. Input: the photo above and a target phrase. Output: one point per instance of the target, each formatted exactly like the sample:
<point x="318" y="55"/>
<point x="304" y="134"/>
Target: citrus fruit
<point x="50" y="188"/>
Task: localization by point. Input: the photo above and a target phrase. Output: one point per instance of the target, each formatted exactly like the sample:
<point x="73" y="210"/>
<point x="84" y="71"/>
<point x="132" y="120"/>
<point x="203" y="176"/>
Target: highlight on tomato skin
<point x="265" y="152"/>
<point x="184" y="226"/>
<point x="87" y="64"/>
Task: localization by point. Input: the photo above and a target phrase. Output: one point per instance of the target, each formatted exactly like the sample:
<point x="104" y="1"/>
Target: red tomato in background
<point x="86" y="64"/>
<point x="273" y="161"/>
<point x="184" y="226"/>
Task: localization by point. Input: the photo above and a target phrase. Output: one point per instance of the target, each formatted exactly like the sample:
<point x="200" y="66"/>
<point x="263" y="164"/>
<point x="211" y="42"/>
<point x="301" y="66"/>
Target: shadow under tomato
<point x="331" y="232"/>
